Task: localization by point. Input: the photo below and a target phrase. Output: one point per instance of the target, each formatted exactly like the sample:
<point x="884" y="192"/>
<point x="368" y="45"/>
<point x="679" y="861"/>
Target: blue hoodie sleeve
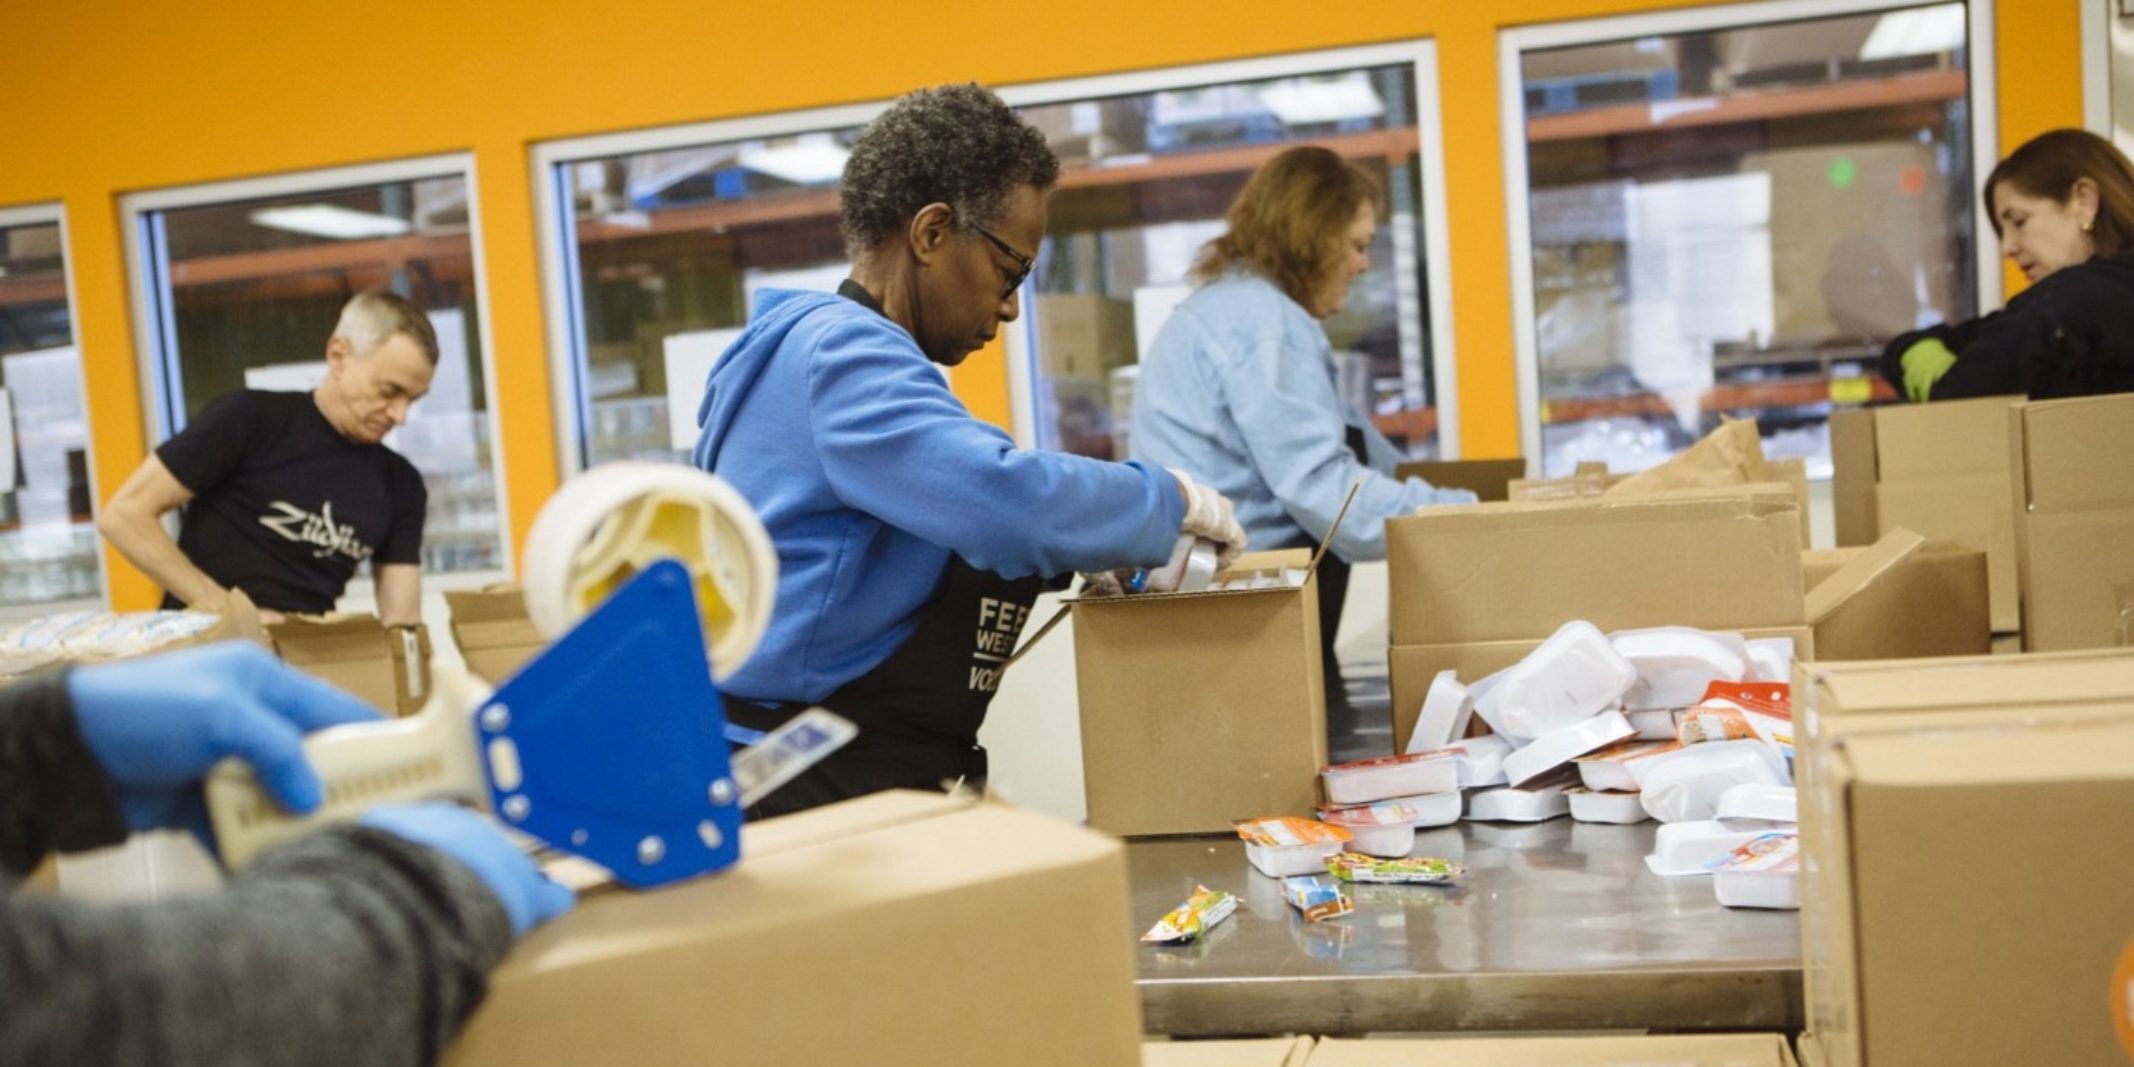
<point x="895" y="443"/>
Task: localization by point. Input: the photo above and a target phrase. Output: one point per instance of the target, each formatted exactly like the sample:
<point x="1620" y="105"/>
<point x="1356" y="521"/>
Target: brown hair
<point x="2048" y="166"/>
<point x="1289" y="223"/>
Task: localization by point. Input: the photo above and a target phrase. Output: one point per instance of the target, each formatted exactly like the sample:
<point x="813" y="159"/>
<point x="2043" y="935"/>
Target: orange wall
<point x="124" y="95"/>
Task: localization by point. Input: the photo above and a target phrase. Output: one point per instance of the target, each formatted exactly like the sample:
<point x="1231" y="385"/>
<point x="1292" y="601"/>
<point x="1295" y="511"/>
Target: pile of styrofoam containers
<point x="1582" y="721"/>
<point x="1382" y="801"/>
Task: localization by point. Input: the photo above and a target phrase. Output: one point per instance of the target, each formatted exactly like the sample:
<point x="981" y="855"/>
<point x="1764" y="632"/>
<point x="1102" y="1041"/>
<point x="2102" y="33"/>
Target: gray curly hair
<point x="953" y="144"/>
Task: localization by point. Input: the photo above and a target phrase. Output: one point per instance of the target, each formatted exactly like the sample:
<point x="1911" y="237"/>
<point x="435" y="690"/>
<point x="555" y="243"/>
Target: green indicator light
<point x="1842" y="173"/>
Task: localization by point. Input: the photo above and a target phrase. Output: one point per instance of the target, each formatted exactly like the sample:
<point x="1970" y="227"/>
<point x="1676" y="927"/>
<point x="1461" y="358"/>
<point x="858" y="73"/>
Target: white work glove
<point x="1208" y="515"/>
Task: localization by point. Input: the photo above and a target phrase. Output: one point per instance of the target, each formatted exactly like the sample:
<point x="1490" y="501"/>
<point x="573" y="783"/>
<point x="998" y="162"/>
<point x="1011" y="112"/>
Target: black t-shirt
<point x="284" y="507"/>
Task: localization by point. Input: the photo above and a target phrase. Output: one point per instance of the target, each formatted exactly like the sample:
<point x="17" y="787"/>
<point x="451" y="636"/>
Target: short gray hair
<point x="372" y="317"/>
<point x="956" y="145"/>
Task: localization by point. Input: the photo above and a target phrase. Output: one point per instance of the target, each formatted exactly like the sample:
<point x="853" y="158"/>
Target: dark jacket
<point x="2069" y="335"/>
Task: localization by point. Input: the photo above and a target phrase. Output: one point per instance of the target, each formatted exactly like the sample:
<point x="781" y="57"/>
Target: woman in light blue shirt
<point x="1238" y="388"/>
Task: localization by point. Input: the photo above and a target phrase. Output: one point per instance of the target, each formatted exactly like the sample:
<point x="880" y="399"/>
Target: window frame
<point x="162" y="399"/>
<point x="50" y="213"/>
<point x="559" y="266"/>
<point x="1511" y="109"/>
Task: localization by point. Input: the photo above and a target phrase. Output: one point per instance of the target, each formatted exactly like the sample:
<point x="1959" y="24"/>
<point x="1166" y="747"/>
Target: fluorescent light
<point x="803" y="162"/>
<point x="1920" y="31"/>
<point x="1311" y="102"/>
<point x="328" y="220"/>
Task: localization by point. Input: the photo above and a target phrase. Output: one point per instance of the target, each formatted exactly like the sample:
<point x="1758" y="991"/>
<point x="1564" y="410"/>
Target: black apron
<point x="919" y="710"/>
<point x="1333" y="579"/>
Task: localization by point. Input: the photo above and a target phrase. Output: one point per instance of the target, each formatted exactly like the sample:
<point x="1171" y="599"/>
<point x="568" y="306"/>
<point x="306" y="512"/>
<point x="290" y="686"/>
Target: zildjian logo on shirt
<point x="318" y="530"/>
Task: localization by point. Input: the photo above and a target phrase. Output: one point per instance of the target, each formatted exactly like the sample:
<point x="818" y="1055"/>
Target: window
<point x="1732" y="219"/>
<point x="48" y="546"/>
<point x="660" y="241"/>
<point x="1148" y="175"/>
<point x="242" y="284"/>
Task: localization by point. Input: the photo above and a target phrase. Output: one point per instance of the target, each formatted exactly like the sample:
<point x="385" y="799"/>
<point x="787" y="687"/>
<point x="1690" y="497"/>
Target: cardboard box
<point x="1683" y="1050"/>
<point x="1886" y="689"/>
<point x="1722" y="559"/>
<point x="387" y="667"/>
<point x="896" y="930"/>
<point x="1934" y="603"/>
<point x="1201" y="708"/>
<point x="1083" y="335"/>
<point x="1941" y="470"/>
<point x="2073" y="500"/>
<point x="1590" y="479"/>
<point x="103" y="636"/>
<point x="1265" y="1052"/>
<point x="1489" y="479"/>
<point x="494" y="634"/>
<point x="1411" y="667"/>
<point x="1893" y="804"/>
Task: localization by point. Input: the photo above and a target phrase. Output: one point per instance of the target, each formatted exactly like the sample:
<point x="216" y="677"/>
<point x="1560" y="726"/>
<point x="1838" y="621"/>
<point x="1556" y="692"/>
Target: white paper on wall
<point x="690" y="358"/>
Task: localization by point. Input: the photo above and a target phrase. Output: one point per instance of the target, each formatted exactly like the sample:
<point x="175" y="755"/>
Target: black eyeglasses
<point x="1023" y="264"/>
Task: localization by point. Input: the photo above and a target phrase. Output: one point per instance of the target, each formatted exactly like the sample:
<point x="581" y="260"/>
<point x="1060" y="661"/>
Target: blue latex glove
<point x="158" y="723"/>
<point x="529" y="897"/>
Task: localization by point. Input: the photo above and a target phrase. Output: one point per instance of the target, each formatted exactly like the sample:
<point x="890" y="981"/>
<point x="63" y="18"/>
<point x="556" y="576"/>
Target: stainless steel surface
<point x="1555" y="926"/>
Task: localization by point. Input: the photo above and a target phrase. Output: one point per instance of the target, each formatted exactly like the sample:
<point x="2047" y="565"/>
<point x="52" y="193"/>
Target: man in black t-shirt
<point x="284" y="493"/>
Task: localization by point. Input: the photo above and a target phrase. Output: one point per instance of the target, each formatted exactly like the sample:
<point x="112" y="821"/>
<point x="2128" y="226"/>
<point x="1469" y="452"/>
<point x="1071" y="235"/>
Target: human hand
<point x="1101" y="583"/>
<point x="159" y="723"/>
<point x="1209" y="515"/>
<point x="529" y="897"/>
<point x="1924" y="363"/>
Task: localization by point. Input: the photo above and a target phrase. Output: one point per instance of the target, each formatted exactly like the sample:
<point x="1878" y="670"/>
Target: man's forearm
<point x="145" y="544"/>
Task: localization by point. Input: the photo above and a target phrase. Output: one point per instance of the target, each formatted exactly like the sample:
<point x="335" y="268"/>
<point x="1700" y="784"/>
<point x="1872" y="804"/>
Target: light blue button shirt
<point x="1238" y="389"/>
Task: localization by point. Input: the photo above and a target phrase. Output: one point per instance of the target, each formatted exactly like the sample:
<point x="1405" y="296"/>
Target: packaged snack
<point x="1559" y="747"/>
<point x="1761" y="873"/>
<point x="1411" y="774"/>
<point x="1317" y="898"/>
<point x="1736" y="711"/>
<point x="1199" y="914"/>
<point x="1287" y="845"/>
<point x="1676" y="663"/>
<point x="1414" y="870"/>
<point x="1616" y="767"/>
<point x="1387" y="828"/>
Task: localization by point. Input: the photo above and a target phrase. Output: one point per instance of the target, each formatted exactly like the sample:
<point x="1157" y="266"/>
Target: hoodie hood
<point x="777" y="314"/>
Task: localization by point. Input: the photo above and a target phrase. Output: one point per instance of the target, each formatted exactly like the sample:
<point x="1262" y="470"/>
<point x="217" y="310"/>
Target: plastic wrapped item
<point x="1676" y="663"/>
<point x="1760" y="803"/>
<point x="1447" y="708"/>
<point x="1317" y="898"/>
<point x="1763" y="872"/>
<point x="1287" y="845"/>
<point x="1606" y="805"/>
<point x="1617" y="766"/>
<point x="1734" y="711"/>
<point x="1657" y="724"/>
<point x="1420" y="870"/>
<point x="1407" y="775"/>
<point x="1481" y="760"/>
<point x="1532" y="803"/>
<point x="1683" y="849"/>
<point x="1186" y="922"/>
<point x="1189" y="570"/>
<point x="1388" y="827"/>
<point x="1559" y="747"/>
<point x="1685" y="786"/>
<point x="1574" y="675"/>
<point x="1770" y="659"/>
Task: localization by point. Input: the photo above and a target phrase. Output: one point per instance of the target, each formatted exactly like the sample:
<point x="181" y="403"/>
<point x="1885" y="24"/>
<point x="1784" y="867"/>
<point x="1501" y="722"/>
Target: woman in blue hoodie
<point x="912" y="538"/>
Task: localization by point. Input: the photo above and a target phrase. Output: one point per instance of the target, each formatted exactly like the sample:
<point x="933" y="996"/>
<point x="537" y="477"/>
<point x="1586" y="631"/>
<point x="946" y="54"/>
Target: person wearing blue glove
<point x="1238" y="387"/>
<point x="367" y="944"/>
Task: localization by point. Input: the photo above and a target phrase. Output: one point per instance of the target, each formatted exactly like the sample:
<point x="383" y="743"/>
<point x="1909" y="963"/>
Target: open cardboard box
<point x="1941" y="470"/>
<point x="1479" y="584"/>
<point x="388" y="667"/>
<point x="896" y="930"/>
<point x="1201" y="708"/>
<point x="494" y="634"/>
<point x="1489" y="479"/>
<point x="1914" y="774"/>
<point x="2073" y="502"/>
<point x="1263" y="1052"/>
<point x="1931" y="602"/>
<point x="1685" y="1050"/>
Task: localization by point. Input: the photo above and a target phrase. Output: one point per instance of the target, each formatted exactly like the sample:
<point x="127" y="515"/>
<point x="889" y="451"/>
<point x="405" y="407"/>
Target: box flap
<point x="1679" y="1050"/>
<point x="1861" y="571"/>
<point x="1939" y="440"/>
<point x="2061" y="440"/>
<point x="1995" y="749"/>
<point x="1335" y="526"/>
<point x="495" y="603"/>
<point x="1733" y="454"/>
<point x="1972" y="681"/>
<point x="1487" y="479"/>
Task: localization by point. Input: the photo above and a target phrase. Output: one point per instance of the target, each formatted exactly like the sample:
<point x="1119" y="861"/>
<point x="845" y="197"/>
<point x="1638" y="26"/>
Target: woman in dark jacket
<point x="2063" y="206"/>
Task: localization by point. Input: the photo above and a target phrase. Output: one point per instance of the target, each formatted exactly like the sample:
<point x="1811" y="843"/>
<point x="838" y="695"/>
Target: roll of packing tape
<point x="614" y="520"/>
